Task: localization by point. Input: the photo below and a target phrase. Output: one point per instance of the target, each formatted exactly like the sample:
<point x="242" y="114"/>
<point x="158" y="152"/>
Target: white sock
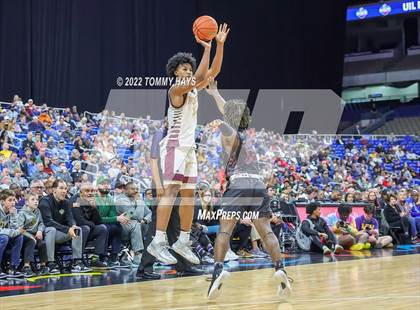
<point x="184" y="236"/>
<point x="160" y="236"/>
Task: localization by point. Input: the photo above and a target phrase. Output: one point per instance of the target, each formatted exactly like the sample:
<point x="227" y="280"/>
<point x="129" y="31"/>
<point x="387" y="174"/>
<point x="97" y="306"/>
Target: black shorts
<point x="246" y="195"/>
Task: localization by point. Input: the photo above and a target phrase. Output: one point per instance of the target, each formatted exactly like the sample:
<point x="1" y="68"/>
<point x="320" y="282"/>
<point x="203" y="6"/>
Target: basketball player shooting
<point x="178" y="157"/>
<point x="245" y="190"/>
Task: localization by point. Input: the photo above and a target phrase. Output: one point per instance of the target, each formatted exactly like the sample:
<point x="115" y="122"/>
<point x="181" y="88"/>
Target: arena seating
<point x="119" y="147"/>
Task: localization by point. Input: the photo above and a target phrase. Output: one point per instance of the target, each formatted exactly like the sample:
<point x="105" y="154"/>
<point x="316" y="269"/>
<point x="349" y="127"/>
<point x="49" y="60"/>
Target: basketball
<point x="346" y="241"/>
<point x="205" y="28"/>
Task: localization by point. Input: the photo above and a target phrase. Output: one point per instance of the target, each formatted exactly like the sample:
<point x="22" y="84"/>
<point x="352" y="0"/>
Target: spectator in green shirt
<point x="108" y="212"/>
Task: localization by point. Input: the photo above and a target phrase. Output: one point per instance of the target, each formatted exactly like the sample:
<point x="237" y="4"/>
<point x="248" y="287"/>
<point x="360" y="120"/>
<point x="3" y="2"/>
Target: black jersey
<point x="243" y="156"/>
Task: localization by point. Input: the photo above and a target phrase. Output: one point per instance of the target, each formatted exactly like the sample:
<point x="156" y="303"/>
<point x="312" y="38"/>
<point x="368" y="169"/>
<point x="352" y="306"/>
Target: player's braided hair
<point x="237" y="114"/>
<point x="179" y="59"/>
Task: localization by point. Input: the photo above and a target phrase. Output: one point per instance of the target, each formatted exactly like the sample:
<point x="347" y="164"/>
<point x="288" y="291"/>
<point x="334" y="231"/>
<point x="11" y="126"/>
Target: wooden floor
<point x="376" y="283"/>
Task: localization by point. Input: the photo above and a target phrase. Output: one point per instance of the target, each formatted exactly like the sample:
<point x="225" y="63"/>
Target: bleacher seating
<point x="400" y="126"/>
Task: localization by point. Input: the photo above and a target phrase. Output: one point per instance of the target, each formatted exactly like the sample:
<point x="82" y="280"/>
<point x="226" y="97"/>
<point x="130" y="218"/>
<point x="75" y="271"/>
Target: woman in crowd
<point x="396" y="217"/>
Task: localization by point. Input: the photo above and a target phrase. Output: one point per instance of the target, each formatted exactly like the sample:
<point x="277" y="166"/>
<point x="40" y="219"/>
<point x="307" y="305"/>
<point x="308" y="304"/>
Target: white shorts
<point x="179" y="166"/>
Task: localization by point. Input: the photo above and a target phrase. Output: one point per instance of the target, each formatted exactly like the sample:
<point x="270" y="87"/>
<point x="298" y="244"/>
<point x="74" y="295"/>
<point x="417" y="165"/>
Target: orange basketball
<point x="346" y="241"/>
<point x="205" y="28"/>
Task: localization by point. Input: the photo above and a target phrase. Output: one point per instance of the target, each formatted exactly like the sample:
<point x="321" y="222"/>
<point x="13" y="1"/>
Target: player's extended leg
<point x="186" y="212"/>
<point x="164" y="208"/>
<point x="272" y="245"/>
<point x="173" y="163"/>
<point x="159" y="245"/>
<point x="186" y="209"/>
<point x="270" y="240"/>
<point x="220" y="249"/>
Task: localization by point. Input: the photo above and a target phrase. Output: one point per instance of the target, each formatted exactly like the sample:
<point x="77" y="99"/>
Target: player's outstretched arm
<point x="188" y="84"/>
<point x="203" y="67"/>
<point x="216" y="65"/>
<point x="214" y="92"/>
<point x="226" y="130"/>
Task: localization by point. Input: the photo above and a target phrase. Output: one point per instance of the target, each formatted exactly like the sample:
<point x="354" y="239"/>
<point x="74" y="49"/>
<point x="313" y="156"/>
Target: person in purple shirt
<point x="368" y="226"/>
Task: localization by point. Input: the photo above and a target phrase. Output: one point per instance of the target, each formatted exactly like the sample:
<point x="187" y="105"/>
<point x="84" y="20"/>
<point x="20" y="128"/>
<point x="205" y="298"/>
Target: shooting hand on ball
<point x="206" y="45"/>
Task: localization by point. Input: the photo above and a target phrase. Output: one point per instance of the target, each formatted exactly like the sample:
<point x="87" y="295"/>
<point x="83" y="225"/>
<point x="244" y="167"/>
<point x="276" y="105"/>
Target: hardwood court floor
<point x="377" y="283"/>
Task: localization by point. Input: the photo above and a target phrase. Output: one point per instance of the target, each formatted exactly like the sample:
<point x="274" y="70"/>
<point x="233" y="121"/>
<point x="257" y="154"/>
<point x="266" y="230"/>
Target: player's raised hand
<point x="222" y="34"/>
<point x="211" y="86"/>
<point x="206" y="45"/>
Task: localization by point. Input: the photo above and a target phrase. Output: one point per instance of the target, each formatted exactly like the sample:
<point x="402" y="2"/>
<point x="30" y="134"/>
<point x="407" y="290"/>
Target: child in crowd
<point x="36" y="235"/>
<point x="368" y="227"/>
<point x="10" y="233"/>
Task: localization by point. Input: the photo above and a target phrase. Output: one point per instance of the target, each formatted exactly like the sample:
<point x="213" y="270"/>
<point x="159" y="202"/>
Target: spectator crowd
<point x="75" y="178"/>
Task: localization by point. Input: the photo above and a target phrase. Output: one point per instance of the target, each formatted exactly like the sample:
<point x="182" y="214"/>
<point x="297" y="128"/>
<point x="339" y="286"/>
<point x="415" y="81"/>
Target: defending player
<point x="245" y="190"/>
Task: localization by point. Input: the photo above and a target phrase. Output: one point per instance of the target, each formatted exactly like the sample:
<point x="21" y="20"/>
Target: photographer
<point x="344" y="226"/>
<point x="56" y="212"/>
